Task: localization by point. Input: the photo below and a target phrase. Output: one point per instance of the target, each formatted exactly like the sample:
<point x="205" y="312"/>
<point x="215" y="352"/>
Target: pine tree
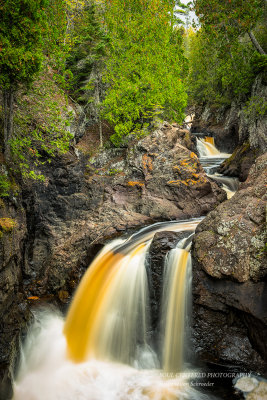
<point x="145" y="65"/>
<point x="230" y="19"/>
<point x="22" y="23"/>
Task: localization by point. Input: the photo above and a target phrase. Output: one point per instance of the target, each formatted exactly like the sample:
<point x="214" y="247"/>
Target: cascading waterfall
<point x="176" y="296"/>
<point x="108" y="316"/>
<point x="206" y="147"/>
<point x="229" y="184"/>
<point x="211" y="158"/>
<point x="104" y="353"/>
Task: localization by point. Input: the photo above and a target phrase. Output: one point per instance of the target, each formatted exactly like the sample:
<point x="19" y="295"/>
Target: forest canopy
<point x="227" y="51"/>
<point x="125" y="62"/>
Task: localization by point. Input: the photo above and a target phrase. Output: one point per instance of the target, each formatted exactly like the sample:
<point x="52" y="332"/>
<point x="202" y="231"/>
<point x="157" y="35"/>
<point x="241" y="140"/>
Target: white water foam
<point x="46" y="374"/>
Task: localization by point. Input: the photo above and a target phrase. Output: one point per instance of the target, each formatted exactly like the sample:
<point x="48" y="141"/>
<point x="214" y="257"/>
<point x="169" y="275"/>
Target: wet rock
<point x="161" y="244"/>
<point x="229" y="276"/>
<point x="246" y="384"/>
<point x="14" y="312"/>
<point x="252" y="388"/>
<point x="259" y="393"/>
<point x="240" y="162"/>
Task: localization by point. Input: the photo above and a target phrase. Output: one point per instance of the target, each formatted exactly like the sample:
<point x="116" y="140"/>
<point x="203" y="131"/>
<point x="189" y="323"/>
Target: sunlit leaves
<point x="145" y="64"/>
<point x="22" y="23"/>
<point x="231" y="18"/>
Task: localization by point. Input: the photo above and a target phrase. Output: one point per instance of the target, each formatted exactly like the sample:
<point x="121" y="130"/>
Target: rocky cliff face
<point x="64" y="222"/>
<point x="13" y="309"/>
<point x="230" y="266"/>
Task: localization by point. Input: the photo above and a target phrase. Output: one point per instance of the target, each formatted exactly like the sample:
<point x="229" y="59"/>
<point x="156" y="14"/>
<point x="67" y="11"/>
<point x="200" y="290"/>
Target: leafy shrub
<point x="4" y="186"/>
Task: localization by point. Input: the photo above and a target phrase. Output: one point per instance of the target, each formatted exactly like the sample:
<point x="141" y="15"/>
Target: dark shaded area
<point x="161" y="244"/>
<point x="240" y="162"/>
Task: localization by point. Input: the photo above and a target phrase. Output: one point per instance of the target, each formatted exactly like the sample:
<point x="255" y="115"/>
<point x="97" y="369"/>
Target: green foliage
<point x="42" y="120"/>
<point x="4" y="185"/>
<point x="255" y="107"/>
<point x="219" y="75"/>
<point x="223" y="60"/>
<point x="7" y="224"/>
<point x="230" y="19"/>
<point x="32" y="31"/>
<point x="87" y="54"/>
<point x="22" y="23"/>
<point x="114" y="171"/>
<point x="145" y="65"/>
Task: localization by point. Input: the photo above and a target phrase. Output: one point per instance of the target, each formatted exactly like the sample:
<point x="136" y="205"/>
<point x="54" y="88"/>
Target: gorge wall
<point x="229" y="248"/>
<point x="229" y="288"/>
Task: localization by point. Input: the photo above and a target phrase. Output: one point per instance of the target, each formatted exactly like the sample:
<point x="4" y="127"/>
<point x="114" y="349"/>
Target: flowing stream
<point x="211" y="158"/>
<point x="176" y="302"/>
<point x="102" y="350"/>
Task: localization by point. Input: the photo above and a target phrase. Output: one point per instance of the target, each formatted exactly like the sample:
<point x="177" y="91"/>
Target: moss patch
<point x="7" y="224"/>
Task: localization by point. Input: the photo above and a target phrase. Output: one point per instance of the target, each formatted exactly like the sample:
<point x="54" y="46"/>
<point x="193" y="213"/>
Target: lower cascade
<point x="102" y="350"/>
<point x="176" y="296"/>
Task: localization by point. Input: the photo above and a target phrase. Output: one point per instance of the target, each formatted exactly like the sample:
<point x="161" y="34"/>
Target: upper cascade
<point x="206" y="148"/>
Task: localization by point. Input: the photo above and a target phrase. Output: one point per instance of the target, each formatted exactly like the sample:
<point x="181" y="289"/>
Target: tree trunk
<point x="256" y="43"/>
<point x="100" y="133"/>
<point x="8" y="96"/>
<point x="97" y="98"/>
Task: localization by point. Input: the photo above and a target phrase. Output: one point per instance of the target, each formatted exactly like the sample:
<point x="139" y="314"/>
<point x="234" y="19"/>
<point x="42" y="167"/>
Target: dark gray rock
<point x="14" y="312"/>
<point x="240" y="162"/>
<point x="161" y="244"/>
<point x="230" y="270"/>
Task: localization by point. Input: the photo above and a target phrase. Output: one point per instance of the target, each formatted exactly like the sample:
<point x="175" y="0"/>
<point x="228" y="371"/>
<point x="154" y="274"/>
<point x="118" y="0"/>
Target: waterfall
<point x="211" y="158"/>
<point x="109" y="314"/>
<point x="176" y="296"/>
<point x="229" y="184"/>
<point x="206" y="148"/>
<point x="104" y="352"/>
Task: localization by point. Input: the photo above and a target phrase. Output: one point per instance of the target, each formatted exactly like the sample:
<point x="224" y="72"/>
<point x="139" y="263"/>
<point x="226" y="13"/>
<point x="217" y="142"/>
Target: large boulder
<point x="240" y="162"/>
<point x="229" y="254"/>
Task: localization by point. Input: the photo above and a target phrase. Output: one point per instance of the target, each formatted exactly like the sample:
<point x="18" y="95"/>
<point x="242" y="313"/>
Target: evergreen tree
<point x="145" y="65"/>
<point x="22" y="23"/>
<point x="222" y="57"/>
<point x="86" y="62"/>
<point x="230" y="19"/>
<point x="219" y="74"/>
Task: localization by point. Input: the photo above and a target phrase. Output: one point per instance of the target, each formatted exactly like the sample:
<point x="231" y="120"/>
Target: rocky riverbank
<point x="229" y="252"/>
